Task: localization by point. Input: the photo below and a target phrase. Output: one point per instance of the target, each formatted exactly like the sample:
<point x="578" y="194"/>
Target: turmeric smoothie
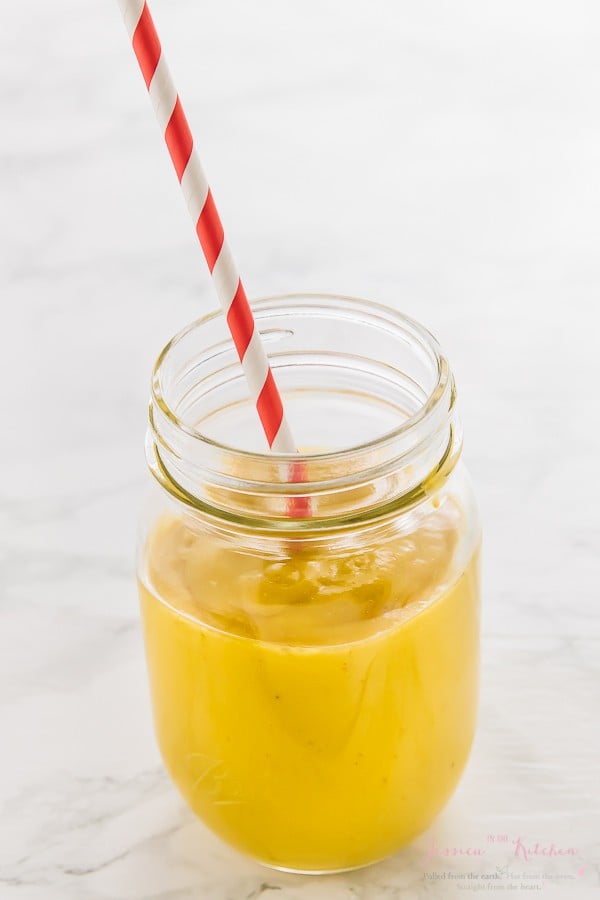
<point x="314" y="708"/>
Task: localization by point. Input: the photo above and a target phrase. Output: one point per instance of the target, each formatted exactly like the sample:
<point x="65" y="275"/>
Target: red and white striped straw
<point x="198" y="197"/>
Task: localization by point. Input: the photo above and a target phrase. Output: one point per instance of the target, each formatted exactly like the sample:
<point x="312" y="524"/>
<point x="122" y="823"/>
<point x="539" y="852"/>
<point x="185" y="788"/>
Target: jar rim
<point x="390" y="318"/>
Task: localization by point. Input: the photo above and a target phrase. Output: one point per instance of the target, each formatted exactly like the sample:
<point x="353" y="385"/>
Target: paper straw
<point x="198" y="197"/>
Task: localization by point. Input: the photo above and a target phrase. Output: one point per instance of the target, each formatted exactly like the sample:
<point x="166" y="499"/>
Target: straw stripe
<point x="179" y="139"/>
<point x="270" y="408"/>
<point x="146" y="45"/>
<point x="256" y="373"/>
<point x="240" y="321"/>
<point x="163" y="94"/>
<point x="210" y="231"/>
<point x="201" y="206"/>
<point x="284" y="439"/>
<point x="194" y="185"/>
<point x="225" y="277"/>
<point x="131" y="10"/>
<point x="299" y="506"/>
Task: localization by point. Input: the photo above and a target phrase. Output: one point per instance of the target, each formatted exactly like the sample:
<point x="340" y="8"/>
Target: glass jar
<point x="313" y="676"/>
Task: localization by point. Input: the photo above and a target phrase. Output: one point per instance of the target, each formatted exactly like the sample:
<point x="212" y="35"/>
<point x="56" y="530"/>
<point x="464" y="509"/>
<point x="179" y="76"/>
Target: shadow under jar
<point x="313" y="678"/>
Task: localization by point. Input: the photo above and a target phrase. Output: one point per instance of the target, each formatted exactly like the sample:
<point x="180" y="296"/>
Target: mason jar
<point x="311" y="621"/>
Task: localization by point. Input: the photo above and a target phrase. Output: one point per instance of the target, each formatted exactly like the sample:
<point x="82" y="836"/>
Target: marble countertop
<point x="443" y="158"/>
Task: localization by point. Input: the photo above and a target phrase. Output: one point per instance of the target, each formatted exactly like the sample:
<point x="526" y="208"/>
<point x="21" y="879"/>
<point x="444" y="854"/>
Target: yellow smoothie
<point x="315" y="709"/>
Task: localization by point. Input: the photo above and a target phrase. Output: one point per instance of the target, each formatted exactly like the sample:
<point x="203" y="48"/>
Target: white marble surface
<point x="444" y="157"/>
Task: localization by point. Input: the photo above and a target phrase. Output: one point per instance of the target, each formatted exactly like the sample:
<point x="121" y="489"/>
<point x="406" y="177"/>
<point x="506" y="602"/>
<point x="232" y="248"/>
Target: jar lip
<point x="389" y="316"/>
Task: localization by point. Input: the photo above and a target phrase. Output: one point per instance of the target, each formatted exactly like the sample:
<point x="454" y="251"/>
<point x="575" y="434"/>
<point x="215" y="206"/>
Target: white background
<point x="440" y="157"/>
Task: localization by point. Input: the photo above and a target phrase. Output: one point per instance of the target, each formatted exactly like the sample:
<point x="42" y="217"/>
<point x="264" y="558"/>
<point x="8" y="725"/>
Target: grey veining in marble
<point x="441" y="157"/>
